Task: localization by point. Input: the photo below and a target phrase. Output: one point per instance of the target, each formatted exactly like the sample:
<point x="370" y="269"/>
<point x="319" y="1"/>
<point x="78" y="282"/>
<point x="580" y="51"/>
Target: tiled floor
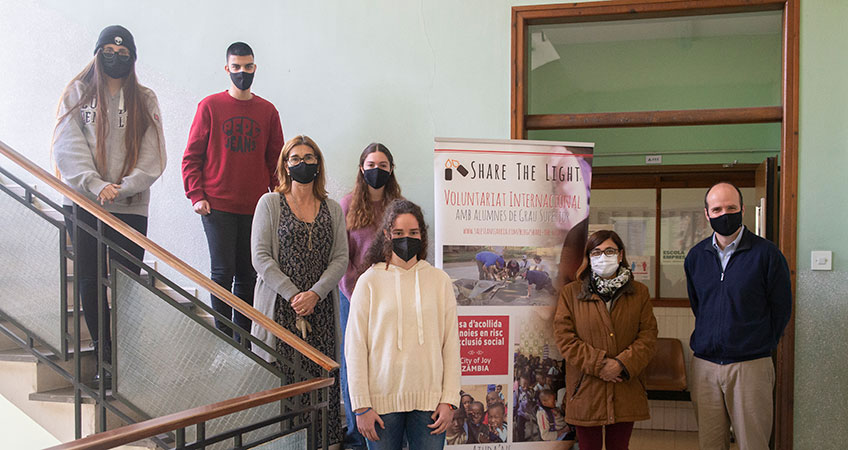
<point x="666" y="440"/>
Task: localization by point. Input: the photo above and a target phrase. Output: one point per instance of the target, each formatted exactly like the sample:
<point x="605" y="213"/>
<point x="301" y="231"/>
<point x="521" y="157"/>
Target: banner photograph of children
<point x="539" y="382"/>
<point x="481" y="417"/>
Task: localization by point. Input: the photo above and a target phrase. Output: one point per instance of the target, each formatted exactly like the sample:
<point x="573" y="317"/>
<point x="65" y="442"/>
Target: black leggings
<point x="86" y="264"/>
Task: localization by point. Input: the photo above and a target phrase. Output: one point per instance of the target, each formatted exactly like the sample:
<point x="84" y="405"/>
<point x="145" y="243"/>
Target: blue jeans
<point x="414" y="425"/>
<point x="352" y="438"/>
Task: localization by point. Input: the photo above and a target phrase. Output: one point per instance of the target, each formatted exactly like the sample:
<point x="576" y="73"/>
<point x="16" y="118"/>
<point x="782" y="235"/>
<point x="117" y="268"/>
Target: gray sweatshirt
<point x="75" y="144"/>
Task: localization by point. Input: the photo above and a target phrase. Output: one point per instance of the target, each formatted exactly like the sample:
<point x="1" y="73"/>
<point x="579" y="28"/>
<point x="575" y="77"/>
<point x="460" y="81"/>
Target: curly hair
<point x="381" y="248"/>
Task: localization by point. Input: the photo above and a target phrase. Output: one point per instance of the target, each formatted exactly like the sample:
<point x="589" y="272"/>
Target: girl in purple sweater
<point x="375" y="187"/>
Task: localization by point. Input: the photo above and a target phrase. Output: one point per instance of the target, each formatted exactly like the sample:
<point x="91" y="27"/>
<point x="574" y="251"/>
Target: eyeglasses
<point x="607" y="251"/>
<point x="308" y="159"/>
<point x="108" y="53"/>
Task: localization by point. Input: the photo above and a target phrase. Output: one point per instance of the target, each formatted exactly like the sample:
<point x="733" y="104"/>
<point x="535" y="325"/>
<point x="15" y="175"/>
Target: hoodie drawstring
<point x="399" y="311"/>
<point x="418" y="308"/>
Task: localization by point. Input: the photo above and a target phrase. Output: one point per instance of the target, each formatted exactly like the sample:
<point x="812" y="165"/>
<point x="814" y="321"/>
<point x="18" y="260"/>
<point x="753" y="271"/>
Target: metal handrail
<point x="193" y="416"/>
<point x="171" y="260"/>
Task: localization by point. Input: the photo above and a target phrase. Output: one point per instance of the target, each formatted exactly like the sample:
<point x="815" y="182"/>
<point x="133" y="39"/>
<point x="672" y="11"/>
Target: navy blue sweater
<point x="741" y="311"/>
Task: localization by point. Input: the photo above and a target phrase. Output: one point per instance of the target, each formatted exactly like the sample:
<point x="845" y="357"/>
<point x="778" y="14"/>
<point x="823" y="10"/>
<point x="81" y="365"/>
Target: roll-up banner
<point x="511" y="220"/>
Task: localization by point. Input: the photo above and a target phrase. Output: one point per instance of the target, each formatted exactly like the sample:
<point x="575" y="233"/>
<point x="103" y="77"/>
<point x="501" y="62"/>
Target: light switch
<point x="822" y="260"/>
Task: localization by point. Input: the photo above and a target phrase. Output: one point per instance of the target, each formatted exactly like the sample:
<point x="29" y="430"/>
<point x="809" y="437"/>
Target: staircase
<point x="168" y="358"/>
<point x="47" y="397"/>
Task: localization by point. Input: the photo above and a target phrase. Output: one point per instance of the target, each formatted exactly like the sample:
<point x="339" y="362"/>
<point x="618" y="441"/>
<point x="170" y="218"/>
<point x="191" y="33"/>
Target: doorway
<point x="691" y="84"/>
<point x="658" y="212"/>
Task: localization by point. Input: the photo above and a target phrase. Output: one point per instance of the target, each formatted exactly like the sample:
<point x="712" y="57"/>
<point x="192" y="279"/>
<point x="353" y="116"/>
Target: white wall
<point x="345" y="73"/>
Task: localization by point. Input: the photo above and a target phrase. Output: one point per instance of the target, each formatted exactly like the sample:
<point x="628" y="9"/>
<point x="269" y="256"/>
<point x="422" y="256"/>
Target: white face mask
<point x="604" y="265"/>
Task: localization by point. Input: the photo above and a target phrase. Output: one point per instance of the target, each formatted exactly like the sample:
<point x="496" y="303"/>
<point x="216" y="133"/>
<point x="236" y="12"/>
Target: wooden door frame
<point x="786" y="114"/>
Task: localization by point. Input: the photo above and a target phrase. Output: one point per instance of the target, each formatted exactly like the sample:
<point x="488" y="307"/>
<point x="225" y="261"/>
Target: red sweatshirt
<point x="232" y="152"/>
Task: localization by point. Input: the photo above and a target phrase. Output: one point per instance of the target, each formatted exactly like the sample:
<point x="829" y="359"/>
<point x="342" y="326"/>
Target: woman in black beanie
<point x="108" y="145"/>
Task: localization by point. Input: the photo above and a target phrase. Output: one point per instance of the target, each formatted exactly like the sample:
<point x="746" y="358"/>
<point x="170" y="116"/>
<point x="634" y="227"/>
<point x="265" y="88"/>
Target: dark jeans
<point x="228" y="236"/>
<point x="617" y="436"/>
<point x="353" y="439"/>
<point x="86" y="266"/>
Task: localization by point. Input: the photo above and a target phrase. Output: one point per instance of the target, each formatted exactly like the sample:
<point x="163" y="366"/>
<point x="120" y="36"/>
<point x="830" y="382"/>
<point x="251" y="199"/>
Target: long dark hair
<point x="595" y="239"/>
<point x="381" y="248"/>
<point x="138" y="114"/>
<point x="360" y="214"/>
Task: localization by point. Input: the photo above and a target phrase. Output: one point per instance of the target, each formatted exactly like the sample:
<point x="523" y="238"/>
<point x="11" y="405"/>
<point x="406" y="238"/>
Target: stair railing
<point x="198" y="417"/>
<point x="166" y="355"/>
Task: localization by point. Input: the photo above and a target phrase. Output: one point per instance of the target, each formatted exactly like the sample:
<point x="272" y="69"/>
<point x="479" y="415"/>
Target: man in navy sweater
<point x="740" y="293"/>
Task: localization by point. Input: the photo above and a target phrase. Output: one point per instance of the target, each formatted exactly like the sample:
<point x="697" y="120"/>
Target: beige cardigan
<point x="270" y="280"/>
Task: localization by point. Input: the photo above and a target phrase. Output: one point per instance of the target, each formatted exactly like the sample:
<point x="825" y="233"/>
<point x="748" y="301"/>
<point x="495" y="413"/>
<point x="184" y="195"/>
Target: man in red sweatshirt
<point x="229" y="162"/>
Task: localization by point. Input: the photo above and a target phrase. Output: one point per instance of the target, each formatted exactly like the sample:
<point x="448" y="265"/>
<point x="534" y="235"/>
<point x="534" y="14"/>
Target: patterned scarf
<point x="606" y="288"/>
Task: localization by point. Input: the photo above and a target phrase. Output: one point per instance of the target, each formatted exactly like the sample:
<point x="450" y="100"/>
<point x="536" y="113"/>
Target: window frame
<point x="670" y="177"/>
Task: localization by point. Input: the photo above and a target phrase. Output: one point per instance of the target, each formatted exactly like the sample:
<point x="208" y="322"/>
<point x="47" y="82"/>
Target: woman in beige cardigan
<point x="606" y="331"/>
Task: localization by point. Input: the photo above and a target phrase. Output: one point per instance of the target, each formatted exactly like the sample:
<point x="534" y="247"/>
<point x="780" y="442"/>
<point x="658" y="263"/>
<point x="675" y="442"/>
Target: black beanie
<point x="117" y="35"/>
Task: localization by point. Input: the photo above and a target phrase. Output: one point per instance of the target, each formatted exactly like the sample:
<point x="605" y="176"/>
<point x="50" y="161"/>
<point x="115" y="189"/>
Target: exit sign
<point x="653" y="159"/>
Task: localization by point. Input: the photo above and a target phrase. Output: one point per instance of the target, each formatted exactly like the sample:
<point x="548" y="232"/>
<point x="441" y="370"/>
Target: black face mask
<point x="376" y="177"/>
<point x="727" y="224"/>
<point x="304" y="173"/>
<point x="116" y="66"/>
<point x="242" y="80"/>
<point x="406" y="247"/>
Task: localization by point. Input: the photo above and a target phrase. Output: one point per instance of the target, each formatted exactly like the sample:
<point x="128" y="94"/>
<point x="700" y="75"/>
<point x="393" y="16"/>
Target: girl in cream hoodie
<point x="402" y="340"/>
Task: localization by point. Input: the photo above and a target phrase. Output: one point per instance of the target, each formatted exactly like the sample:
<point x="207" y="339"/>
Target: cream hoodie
<point x="402" y="340"/>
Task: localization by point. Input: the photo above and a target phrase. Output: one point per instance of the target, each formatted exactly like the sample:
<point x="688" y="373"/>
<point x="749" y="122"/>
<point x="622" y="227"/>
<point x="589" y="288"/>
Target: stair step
<point x="66" y="395"/>
<point x="18" y="355"/>
<point x="63" y="395"/>
<point x="24" y="355"/>
<point x="15" y="189"/>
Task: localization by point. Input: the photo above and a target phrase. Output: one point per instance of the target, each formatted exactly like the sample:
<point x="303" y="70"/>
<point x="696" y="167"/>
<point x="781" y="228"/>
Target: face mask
<point x="376" y="177"/>
<point x="116" y="66"/>
<point x="727" y="224"/>
<point x="604" y="265"/>
<point x="304" y="173"/>
<point x="406" y="247"/>
<point x="242" y="80"/>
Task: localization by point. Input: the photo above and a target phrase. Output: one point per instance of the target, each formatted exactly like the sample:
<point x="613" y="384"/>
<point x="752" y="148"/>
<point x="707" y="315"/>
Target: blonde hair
<point x="318" y="186"/>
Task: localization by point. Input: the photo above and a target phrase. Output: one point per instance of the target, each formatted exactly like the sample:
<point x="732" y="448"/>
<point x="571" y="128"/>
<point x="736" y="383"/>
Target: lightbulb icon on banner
<point x="451" y="164"/>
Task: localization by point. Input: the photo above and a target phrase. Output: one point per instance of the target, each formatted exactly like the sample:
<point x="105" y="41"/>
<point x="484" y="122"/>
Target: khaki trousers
<point x="738" y="394"/>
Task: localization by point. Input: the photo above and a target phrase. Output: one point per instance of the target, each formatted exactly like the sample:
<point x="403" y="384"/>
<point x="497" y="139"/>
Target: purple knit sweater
<point x="358" y="243"/>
